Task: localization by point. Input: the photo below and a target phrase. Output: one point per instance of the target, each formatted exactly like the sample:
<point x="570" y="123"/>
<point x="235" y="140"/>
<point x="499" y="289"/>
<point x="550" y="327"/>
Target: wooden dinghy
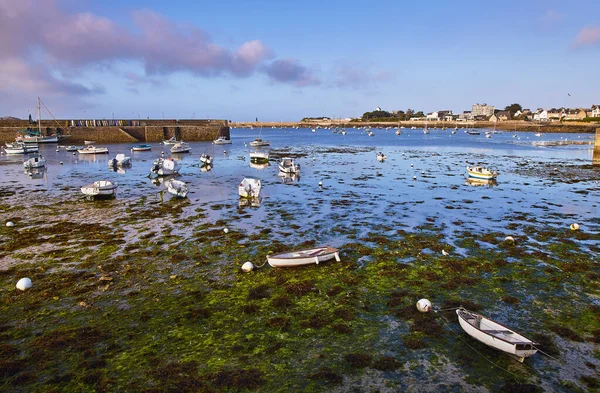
<point x="304" y="257"/>
<point x="496" y="335"/>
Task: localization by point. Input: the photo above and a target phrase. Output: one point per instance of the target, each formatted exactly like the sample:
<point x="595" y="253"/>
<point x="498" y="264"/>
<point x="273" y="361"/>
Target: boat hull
<point x="304" y="257"/>
<point x="99" y="189"/>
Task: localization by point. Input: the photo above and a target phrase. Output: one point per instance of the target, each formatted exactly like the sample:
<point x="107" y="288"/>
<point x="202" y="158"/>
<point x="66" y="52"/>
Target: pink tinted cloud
<point x="587" y="36"/>
<point x="354" y="77"/>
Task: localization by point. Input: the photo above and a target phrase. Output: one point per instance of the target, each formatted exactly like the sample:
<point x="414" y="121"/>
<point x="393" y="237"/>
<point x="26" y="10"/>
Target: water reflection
<point x="157" y="181"/>
<point x="289" y="178"/>
<point x="249" y="202"/>
<point x="259" y="166"/>
<point x="206" y="168"/>
<point x="36" y="173"/>
<point x="471" y="181"/>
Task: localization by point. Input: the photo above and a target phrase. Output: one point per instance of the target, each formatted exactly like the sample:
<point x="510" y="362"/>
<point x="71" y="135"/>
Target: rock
<point x="24" y="284"/>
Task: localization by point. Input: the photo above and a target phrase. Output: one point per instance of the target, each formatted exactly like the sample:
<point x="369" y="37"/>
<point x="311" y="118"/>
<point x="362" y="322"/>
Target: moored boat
<point x="258" y="142"/>
<point x="381" y="156"/>
<point x="222" y="141"/>
<point x="20" y="148"/>
<point x="100" y="188"/>
<point x="495" y="334"/>
<point x="120" y="160"/>
<point x="177" y="188"/>
<point x="206" y="159"/>
<point x="249" y="187"/>
<point x="287" y="165"/>
<point x="170" y="141"/>
<point x="304" y="257"/>
<point x="480" y="172"/>
<point x="181" y="147"/>
<point x="90" y="149"/>
<point x="89" y="142"/>
<point x="73" y="148"/>
<point x="35" y="160"/>
<point x="141" y="148"/>
<point x="165" y="166"/>
<point x="37" y="139"/>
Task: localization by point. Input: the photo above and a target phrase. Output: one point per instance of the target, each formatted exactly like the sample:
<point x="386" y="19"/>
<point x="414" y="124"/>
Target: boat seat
<point x="497" y="331"/>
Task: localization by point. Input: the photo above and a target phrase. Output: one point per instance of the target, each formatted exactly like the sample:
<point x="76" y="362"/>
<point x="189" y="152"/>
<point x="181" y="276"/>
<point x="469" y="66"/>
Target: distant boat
<point x="165" y="166"/>
<point x="28" y="136"/>
<point x="181" y="147"/>
<point x="249" y="187"/>
<point x="496" y="335"/>
<point x="170" y="141"/>
<point x="35" y="161"/>
<point x="73" y="148"/>
<point x="206" y="159"/>
<point x="304" y="257"/>
<point x="93" y="150"/>
<point x="101" y="188"/>
<point x="177" y="188"/>
<point x="538" y="134"/>
<point x="258" y="142"/>
<point x="20" y="148"/>
<point x="142" y="148"/>
<point x="89" y="142"/>
<point x="473" y="132"/>
<point x="222" y="141"/>
<point x="381" y="156"/>
<point x="287" y="165"/>
<point x="480" y="172"/>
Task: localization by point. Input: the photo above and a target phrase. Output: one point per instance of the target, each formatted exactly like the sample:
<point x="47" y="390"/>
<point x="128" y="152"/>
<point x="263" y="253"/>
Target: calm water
<point x="351" y="176"/>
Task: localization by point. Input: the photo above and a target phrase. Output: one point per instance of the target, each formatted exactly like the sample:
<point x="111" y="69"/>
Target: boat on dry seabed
<point x="496" y="335"/>
<point x="304" y="257"/>
<point x="100" y="188"/>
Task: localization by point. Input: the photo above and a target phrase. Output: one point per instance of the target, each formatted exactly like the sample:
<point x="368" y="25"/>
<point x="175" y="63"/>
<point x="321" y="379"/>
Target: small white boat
<point x="170" y="141"/>
<point x="181" y="147"/>
<point x="496" y="335"/>
<point x="343" y="132"/>
<point x="93" y="150"/>
<point x="304" y="257"/>
<point x="480" y="172"/>
<point x="206" y="159"/>
<point x="398" y="132"/>
<point x="165" y="166"/>
<point x="37" y="139"/>
<point x="20" y="148"/>
<point x="249" y="187"/>
<point x="258" y="142"/>
<point x="222" y="141"/>
<point x="89" y="142"/>
<point x="258" y="157"/>
<point x="35" y="161"/>
<point x="370" y="133"/>
<point x="73" y="148"/>
<point x="142" y="148"/>
<point x="101" y="188"/>
<point x="538" y="134"/>
<point x="177" y="188"/>
<point x="381" y="156"/>
<point x="287" y="165"/>
<point x="120" y="160"/>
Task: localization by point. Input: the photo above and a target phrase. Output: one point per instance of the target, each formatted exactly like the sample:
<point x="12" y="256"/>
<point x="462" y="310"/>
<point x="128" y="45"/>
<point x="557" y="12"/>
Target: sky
<point x="285" y="60"/>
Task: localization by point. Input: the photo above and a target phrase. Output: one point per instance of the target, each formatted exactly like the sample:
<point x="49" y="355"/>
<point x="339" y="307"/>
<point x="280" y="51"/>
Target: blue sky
<point x="277" y="60"/>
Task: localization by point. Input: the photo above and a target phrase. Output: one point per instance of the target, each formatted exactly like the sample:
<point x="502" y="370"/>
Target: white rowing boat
<point x="177" y="188"/>
<point x="101" y="188"/>
<point x="495" y="334"/>
<point x="304" y="257"/>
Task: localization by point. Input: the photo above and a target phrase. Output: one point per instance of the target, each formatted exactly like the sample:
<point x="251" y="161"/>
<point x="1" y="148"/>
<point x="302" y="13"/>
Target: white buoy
<point x="574" y="227"/>
<point x="162" y="152"/>
<point x="247" y="266"/>
<point x="73" y="153"/>
<point x="320" y="184"/>
<point x="60" y="163"/>
<point x="412" y="165"/>
<point x="423" y="173"/>
<point x="24" y="284"/>
<point x="414" y="178"/>
<point x="424" y="305"/>
<point x="10" y="224"/>
<point x="509" y="239"/>
<point x="225" y="230"/>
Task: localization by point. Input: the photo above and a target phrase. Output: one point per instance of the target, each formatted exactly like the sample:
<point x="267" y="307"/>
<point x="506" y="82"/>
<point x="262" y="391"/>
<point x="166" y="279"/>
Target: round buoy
<point x="320" y="184"/>
<point x="247" y="266"/>
<point x="60" y="163"/>
<point x="424" y="305"/>
<point x="574" y="227"/>
<point x="414" y="178"/>
<point x="509" y="239"/>
<point x="412" y="165"/>
<point x="24" y="284"/>
<point x="10" y="224"/>
<point x="73" y="153"/>
<point x="423" y="173"/>
<point x="225" y="230"/>
<point x="57" y="150"/>
<point x="162" y="152"/>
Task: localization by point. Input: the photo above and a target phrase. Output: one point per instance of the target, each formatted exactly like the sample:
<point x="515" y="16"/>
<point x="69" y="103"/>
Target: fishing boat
<point x="287" y="165"/>
<point x="170" y="141"/>
<point x="222" y="141"/>
<point x="480" y="172"/>
<point x="142" y="148"/>
<point x="90" y="149"/>
<point x="496" y="335"/>
<point x="259" y="157"/>
<point x="165" y="166"/>
<point x="206" y="159"/>
<point x="20" y="148"/>
<point x="381" y="156"/>
<point x="177" y="188"/>
<point x="120" y="160"/>
<point x="29" y="136"/>
<point x="35" y="161"/>
<point x="304" y="257"/>
<point x="89" y="142"/>
<point x="181" y="147"/>
<point x="249" y="187"/>
<point x="101" y="188"/>
<point x="258" y="142"/>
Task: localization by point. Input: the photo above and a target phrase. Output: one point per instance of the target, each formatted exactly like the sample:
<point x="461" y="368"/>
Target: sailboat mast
<point x="39" y="118"/>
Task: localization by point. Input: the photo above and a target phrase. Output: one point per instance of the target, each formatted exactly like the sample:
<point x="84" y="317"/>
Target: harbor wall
<point x="146" y="131"/>
<point x="596" y="156"/>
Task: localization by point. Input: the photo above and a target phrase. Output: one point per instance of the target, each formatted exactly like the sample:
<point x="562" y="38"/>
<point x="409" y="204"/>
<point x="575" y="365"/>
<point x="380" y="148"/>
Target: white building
<point x="432" y="116"/>
<point x="540" y="115"/>
<point x="595" y="111"/>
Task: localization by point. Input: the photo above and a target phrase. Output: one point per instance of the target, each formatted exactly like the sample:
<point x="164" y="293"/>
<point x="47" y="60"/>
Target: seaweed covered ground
<point x="146" y="294"/>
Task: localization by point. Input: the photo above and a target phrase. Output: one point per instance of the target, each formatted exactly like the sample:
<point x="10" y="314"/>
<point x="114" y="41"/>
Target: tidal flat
<point x="144" y="293"/>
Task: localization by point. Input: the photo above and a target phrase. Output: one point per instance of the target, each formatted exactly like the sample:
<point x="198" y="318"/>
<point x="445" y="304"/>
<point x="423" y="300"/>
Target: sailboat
<point x="425" y="130"/>
<point x="28" y="136"/>
<point x="258" y="142"/>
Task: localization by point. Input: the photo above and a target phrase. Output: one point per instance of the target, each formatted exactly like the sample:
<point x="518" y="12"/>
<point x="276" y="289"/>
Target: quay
<point x="120" y="131"/>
